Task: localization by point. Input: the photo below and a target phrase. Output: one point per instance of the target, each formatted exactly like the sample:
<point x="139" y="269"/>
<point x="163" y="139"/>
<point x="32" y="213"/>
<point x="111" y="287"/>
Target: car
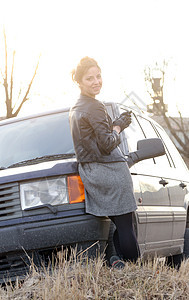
<point x="161" y="191"/>
<point x="42" y="200"/>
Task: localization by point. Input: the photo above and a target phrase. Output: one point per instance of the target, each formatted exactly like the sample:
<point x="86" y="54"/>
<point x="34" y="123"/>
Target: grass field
<point x="81" y="278"/>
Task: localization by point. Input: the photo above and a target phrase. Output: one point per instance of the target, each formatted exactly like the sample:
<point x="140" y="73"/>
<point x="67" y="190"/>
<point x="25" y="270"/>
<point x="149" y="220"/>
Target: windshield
<point x="36" y="137"/>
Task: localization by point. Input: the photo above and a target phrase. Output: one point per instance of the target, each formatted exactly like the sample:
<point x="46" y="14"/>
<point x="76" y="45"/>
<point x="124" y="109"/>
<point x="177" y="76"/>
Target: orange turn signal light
<point x="75" y="189"/>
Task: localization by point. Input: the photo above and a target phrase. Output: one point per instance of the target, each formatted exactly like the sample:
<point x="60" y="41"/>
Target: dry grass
<point x="80" y="278"/>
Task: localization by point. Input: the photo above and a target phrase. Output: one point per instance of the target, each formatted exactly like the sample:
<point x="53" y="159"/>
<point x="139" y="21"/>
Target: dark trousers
<point x="124" y="238"/>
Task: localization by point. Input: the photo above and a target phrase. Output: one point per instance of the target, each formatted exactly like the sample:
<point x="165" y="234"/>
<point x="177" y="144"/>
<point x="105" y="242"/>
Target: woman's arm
<point x="107" y="135"/>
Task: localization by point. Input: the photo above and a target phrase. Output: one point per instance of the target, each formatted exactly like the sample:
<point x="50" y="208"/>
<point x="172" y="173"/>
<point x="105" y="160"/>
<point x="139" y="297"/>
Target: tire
<point x="186" y="243"/>
<point x="110" y="249"/>
<point x="175" y="261"/>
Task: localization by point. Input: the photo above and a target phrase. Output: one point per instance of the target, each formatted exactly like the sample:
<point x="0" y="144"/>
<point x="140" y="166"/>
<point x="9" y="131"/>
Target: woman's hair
<point x="83" y="66"/>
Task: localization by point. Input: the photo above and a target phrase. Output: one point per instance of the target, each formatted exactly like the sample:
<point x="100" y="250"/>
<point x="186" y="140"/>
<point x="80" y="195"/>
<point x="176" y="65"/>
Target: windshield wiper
<point x="41" y="159"/>
<point x="53" y="209"/>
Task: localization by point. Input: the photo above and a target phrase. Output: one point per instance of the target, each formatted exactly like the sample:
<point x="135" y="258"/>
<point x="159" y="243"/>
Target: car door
<point x="177" y="184"/>
<point x="155" y="197"/>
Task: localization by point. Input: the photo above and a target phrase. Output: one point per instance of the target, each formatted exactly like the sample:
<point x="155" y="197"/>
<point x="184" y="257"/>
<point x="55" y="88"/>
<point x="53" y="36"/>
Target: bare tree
<point x="12" y="110"/>
<point x="178" y="127"/>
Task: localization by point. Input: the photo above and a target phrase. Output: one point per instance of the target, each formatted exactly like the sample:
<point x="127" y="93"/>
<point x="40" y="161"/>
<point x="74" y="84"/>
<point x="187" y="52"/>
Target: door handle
<point x="163" y="182"/>
<point x="182" y="185"/>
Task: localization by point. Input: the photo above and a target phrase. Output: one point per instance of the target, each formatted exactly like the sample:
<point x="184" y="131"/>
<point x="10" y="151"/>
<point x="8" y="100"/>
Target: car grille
<point x="13" y="265"/>
<point x="10" y="206"/>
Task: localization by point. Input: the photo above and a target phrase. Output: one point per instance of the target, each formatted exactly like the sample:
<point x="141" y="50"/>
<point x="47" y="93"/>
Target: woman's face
<point x="91" y="82"/>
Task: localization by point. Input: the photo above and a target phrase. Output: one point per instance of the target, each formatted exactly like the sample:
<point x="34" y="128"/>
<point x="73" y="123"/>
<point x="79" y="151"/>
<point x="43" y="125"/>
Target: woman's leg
<point x="124" y="238"/>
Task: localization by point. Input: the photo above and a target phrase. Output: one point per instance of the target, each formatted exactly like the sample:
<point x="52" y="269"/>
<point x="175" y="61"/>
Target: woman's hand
<point x="123" y="121"/>
<point x="117" y="128"/>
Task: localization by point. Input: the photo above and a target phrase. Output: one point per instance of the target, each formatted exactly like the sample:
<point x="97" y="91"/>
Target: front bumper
<point x="31" y="234"/>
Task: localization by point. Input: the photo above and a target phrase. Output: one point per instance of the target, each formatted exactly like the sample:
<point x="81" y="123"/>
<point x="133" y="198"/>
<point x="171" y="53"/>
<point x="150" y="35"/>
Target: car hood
<point x="39" y="170"/>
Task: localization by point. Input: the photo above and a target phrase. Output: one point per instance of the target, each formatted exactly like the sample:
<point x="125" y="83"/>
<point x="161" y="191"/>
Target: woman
<point x="102" y="166"/>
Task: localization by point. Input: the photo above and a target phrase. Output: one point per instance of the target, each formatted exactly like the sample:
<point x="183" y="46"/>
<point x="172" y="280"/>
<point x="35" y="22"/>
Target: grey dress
<point x="108" y="188"/>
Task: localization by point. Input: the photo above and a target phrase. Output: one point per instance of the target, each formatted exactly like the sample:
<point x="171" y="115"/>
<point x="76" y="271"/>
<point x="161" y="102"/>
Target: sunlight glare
<point x="123" y="36"/>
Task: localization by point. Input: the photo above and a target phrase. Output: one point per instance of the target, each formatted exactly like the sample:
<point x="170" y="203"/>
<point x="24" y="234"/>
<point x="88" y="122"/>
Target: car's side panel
<point x="140" y="215"/>
<point x="162" y="196"/>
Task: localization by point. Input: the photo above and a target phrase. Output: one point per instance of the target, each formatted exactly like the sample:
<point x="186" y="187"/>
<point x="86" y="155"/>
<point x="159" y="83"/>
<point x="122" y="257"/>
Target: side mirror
<point x="147" y="148"/>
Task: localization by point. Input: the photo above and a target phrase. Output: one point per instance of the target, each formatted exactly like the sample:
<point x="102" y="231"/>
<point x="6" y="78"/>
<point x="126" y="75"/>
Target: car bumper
<point x="44" y="232"/>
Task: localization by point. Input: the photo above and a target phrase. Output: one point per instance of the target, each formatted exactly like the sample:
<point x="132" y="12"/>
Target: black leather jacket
<point x="92" y="132"/>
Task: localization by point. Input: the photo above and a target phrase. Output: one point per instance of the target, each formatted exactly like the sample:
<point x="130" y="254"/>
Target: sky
<point x="124" y="37"/>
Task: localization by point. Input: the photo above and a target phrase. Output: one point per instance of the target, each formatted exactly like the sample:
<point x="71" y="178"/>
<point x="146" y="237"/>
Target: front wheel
<point x="186" y="243"/>
<point x="110" y="249"/>
<point x="175" y="261"/>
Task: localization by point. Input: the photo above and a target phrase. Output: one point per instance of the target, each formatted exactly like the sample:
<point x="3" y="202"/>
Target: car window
<point x="173" y="152"/>
<point x="133" y="133"/>
<point x="35" y="137"/>
<point x="113" y="112"/>
<point x="150" y="132"/>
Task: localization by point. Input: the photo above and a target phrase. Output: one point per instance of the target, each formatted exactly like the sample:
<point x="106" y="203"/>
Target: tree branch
<point x="184" y="141"/>
<point x="181" y="143"/>
<point x="27" y="92"/>
<point x="11" y="82"/>
<point x="186" y="138"/>
<point x="5" y="83"/>
<point x="181" y="127"/>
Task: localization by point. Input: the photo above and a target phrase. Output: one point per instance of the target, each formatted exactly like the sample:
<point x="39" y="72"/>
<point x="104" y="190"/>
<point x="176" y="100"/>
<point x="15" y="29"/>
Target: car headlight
<point x="48" y="191"/>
